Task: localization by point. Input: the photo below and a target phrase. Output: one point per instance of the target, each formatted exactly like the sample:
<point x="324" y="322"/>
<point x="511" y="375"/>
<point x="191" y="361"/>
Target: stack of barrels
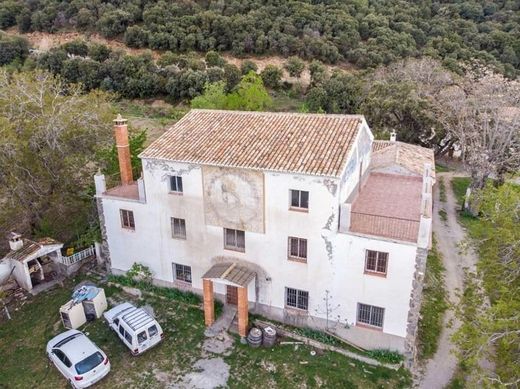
<point x="254" y="339"/>
<point x="269" y="336"/>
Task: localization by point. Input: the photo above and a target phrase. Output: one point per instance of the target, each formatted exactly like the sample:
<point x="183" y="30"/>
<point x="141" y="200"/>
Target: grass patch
<point x="441" y="168"/>
<point x="23" y="340"/>
<point x="459" y="186"/>
<point x="442" y="190"/>
<point x="443" y="215"/>
<point x="433" y="306"/>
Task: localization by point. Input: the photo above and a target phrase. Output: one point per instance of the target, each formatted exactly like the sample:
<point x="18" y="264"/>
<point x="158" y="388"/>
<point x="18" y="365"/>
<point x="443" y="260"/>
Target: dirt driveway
<point x="440" y="369"/>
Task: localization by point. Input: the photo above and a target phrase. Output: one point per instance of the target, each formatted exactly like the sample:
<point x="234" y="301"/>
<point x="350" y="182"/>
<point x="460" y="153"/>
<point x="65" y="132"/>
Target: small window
<point x="128" y="337"/>
<point x="116" y="322"/>
<point x="176" y="184"/>
<point x="152" y="331"/>
<point x="299" y="199"/>
<point x="178" y="228"/>
<point x="234" y="240"/>
<point x="370" y="315"/>
<point x="121" y="330"/>
<point x="376" y="262"/>
<point x="182" y="273"/>
<point x="142" y="337"/>
<point x="127" y="219"/>
<point x="295" y="298"/>
<point x="298" y="249"/>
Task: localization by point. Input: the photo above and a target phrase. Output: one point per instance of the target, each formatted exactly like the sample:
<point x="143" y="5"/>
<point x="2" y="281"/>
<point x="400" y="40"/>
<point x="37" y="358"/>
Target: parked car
<point x="77" y="358"/>
<point x="138" y="330"/>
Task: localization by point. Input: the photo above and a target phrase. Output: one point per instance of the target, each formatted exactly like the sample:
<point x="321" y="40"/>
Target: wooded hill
<point x="366" y="33"/>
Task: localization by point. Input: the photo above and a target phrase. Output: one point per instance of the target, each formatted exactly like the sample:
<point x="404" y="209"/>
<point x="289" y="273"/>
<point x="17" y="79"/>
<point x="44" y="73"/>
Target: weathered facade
<point x="331" y="239"/>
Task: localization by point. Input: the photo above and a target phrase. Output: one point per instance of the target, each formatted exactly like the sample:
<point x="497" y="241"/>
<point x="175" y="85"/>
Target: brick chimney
<point x="123" y="150"/>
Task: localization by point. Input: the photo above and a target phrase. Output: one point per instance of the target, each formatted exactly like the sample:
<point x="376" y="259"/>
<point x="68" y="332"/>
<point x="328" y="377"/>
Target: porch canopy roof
<point x="230" y="272"/>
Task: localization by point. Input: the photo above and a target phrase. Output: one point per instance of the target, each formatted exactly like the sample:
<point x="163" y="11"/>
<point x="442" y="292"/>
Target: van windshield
<point x="89" y="363"/>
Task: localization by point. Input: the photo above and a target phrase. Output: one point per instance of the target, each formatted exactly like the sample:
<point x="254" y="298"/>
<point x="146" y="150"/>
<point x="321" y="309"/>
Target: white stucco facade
<point x="335" y="260"/>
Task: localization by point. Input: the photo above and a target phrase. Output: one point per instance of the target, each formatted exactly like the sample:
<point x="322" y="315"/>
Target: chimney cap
<point x="393" y="136"/>
<point x="119" y="121"/>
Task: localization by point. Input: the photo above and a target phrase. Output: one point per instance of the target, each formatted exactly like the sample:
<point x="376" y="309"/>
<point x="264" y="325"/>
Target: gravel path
<point x="439" y="370"/>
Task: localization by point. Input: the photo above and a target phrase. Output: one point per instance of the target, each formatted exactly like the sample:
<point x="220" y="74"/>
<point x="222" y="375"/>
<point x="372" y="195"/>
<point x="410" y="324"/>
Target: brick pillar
<point x="243" y="309"/>
<point x="209" y="305"/>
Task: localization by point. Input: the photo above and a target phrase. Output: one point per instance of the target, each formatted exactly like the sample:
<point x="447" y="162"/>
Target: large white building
<point x="304" y="216"/>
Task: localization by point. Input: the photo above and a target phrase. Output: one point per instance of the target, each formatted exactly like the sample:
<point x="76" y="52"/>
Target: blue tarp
<point x="84" y="293"/>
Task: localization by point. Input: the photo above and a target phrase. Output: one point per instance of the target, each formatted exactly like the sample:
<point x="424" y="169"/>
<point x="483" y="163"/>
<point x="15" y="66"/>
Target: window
<point x="299" y="199"/>
<point x="128" y="337"/>
<point x="152" y="331"/>
<point x="141" y="337"/>
<point x="122" y="330"/>
<point x="182" y="273"/>
<point x="234" y="240"/>
<point x="376" y="262"/>
<point x="178" y="228"/>
<point x="295" y="298"/>
<point x="176" y="184"/>
<point x="370" y="315"/>
<point x="298" y="249"/>
<point x="127" y="219"/>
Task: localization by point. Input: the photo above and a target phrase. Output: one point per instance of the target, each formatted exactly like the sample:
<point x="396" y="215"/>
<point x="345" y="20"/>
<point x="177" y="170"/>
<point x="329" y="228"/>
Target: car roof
<point x="79" y="348"/>
<point x="137" y="318"/>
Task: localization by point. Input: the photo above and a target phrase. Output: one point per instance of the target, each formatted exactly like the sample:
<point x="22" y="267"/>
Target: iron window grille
<point x="178" y="228"/>
<point x="370" y="315"/>
<point x="296" y="298"/>
<point x="182" y="272"/>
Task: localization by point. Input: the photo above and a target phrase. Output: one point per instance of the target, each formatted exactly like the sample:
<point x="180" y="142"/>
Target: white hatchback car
<point x="80" y="361"/>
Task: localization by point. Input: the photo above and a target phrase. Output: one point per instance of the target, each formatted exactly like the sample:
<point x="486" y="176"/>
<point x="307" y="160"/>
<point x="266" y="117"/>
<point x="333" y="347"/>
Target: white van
<point x="138" y="330"/>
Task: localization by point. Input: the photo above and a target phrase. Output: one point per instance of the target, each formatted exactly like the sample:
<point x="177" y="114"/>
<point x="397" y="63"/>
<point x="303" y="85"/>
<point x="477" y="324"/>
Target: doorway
<point x="231" y="295"/>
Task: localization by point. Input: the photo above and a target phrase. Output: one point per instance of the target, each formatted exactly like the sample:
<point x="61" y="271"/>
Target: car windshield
<point x="89" y="363"/>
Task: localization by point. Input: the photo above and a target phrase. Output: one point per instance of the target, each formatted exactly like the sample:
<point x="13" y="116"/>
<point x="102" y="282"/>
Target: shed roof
<point x="31" y="247"/>
<point x="316" y="144"/>
<point x="411" y="157"/>
<point x="232" y="272"/>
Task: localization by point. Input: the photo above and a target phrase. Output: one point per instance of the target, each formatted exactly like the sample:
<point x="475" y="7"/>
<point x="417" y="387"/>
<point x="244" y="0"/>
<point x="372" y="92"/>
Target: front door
<point x="232" y="295"/>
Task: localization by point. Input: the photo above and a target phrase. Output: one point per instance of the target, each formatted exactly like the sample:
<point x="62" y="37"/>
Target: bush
<point x="385" y="356"/>
<point x="294" y="66"/>
<point x="248" y="66"/>
<point x="213" y="59"/>
<point x="76" y="47"/>
<point x="271" y="76"/>
<point x="12" y="48"/>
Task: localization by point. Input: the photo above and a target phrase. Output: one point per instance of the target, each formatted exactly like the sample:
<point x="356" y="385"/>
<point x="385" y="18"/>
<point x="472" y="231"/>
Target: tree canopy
<point x="365" y="33"/>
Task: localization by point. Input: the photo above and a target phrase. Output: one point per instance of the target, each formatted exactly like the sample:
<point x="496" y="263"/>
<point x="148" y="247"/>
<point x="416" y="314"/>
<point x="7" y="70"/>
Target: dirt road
<point x="439" y="370"/>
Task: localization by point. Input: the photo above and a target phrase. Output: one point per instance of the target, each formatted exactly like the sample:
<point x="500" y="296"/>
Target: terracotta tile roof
<point x="130" y="191"/>
<point x="30" y="247"/>
<point x="315" y="144"/>
<point x="389" y="205"/>
<point x="410" y="157"/>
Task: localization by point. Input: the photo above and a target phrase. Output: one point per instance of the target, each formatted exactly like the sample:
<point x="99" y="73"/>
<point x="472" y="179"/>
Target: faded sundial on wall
<point x="234" y="198"/>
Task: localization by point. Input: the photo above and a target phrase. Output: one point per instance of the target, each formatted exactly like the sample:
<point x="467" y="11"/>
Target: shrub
<point x="12" y="48"/>
<point x="294" y="66"/>
<point x="248" y="66"/>
<point x="271" y="76"/>
<point x="214" y="59"/>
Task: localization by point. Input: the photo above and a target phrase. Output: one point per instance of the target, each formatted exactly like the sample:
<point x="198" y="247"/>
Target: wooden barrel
<point x="269" y="336"/>
<point x="254" y="339"/>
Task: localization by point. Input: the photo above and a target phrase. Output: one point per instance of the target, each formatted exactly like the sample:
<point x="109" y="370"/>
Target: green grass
<point x="434" y="305"/>
<point x="459" y="186"/>
<point x="441" y="168"/>
<point x="24" y="363"/>
<point x="443" y="215"/>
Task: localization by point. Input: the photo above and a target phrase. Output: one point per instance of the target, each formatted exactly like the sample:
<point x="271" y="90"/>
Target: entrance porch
<point x="236" y="278"/>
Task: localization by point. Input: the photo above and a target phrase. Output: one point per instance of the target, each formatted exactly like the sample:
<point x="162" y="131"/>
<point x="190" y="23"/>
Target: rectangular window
<point x="178" y="228"/>
<point x="176" y="184"/>
<point x="298" y="248"/>
<point x="370" y="315"/>
<point x="234" y="240"/>
<point x="127" y="219"/>
<point x="376" y="262"/>
<point x="299" y="199"/>
<point x="298" y="299"/>
<point x="182" y="273"/>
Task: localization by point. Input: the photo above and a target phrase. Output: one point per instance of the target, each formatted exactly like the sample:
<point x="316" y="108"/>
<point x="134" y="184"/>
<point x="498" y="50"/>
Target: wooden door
<point x="231" y="295"/>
